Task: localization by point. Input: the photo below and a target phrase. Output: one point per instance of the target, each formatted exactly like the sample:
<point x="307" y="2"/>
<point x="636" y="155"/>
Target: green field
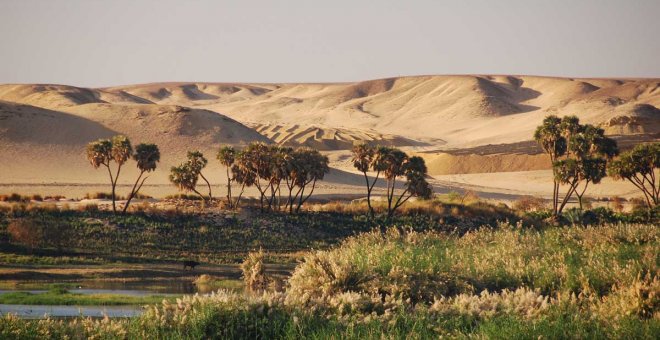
<point x="66" y="298"/>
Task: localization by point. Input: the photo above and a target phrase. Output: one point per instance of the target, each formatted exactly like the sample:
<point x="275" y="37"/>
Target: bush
<point x="14" y="197"/>
<point x="89" y="207"/>
<point x="54" y="197"/>
<point x="183" y="197"/>
<point x="103" y="196"/>
<point x="254" y="272"/>
<point x="638" y="204"/>
<point x="26" y="232"/>
<point x="43" y="232"/>
<point x="617" y="203"/>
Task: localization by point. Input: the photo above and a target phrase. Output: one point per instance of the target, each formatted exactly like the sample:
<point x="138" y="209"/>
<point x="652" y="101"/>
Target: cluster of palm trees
<point x="639" y="167"/>
<point x="285" y="177"/>
<point x="268" y="168"/>
<point x="581" y="154"/>
<point x="118" y="150"/>
<point x="391" y="163"/>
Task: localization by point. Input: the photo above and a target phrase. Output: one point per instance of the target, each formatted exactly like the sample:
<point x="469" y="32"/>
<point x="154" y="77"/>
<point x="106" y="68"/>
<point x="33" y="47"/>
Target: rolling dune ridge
<point x="453" y="121"/>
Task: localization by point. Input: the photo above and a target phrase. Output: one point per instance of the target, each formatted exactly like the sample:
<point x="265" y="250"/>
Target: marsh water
<point x="126" y="288"/>
<point x="61" y="311"/>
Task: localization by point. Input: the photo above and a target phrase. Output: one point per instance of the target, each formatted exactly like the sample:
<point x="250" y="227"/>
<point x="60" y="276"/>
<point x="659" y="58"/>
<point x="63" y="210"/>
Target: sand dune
<point x="327" y="138"/>
<point x="461" y="110"/>
<point x="460" y="124"/>
<point x="48" y="145"/>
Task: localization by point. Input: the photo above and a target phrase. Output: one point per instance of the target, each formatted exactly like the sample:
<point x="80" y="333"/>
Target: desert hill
<point x="47" y="145"/>
<point x="461" y="124"/>
<point x="459" y="110"/>
<point x="327" y="138"/>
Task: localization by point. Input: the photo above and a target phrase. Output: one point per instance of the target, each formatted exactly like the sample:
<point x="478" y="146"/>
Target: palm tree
<point x="242" y="174"/>
<point x="584" y="152"/>
<point x="257" y="160"/>
<point x="146" y="156"/>
<point x="363" y="156"/>
<point x="277" y="172"/>
<point x="549" y="136"/>
<point x="103" y="151"/>
<point x="227" y="157"/>
<point x="186" y="175"/>
<point x="639" y="167"/>
<point x="197" y="162"/>
<point x="185" y="178"/>
<point x="313" y="167"/>
<point x="394" y="165"/>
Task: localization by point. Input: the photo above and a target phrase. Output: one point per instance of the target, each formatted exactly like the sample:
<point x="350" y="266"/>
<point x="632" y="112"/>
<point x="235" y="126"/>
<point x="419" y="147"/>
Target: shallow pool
<point x="41" y="311"/>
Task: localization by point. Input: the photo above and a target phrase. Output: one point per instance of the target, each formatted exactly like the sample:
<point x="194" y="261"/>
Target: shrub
<point x="39" y="232"/>
<point x="600" y="215"/>
<point x="54" y="197"/>
<point x="638" y="204"/>
<point x="26" y="232"/>
<point x="184" y="197"/>
<point x="617" y="203"/>
<point x="254" y="272"/>
<point x="14" y="197"/>
<point x="453" y="197"/>
<point x="102" y="196"/>
<point x="469" y="196"/>
<point x="89" y="207"/>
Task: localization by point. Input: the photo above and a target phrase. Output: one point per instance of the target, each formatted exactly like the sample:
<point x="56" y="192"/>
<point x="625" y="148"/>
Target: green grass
<point x="55" y="297"/>
<point x="505" y="283"/>
<point x="26" y="259"/>
<point x="224" y="284"/>
<point x="95" y="237"/>
<point x="22" y="285"/>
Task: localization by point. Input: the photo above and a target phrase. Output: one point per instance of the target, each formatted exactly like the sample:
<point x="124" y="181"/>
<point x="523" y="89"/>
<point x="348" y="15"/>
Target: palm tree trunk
<point x="579" y="195"/>
<point x="308" y="196"/>
<point x="302" y="193"/>
<point x="209" y="185"/>
<point x="567" y="197"/>
<point x="371" y="210"/>
<point x="113" y="183"/>
<point x="390" y="197"/>
<point x="238" y="199"/>
<point x="133" y="192"/>
<point x="229" y="201"/>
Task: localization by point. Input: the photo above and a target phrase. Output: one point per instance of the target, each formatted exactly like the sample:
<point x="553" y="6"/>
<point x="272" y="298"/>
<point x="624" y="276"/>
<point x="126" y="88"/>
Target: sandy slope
<point x="462" y="110"/>
<point x="461" y="124"/>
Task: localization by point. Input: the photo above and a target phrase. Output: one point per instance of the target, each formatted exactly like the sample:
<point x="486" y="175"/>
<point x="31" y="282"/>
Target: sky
<point x="104" y="43"/>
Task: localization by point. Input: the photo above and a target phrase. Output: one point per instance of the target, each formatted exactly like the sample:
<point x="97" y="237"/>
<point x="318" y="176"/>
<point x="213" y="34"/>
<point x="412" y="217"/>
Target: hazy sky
<point x="103" y="43"/>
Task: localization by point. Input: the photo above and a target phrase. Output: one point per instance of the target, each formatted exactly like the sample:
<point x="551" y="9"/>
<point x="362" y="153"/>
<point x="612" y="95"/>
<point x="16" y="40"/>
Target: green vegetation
<point x="23" y="259"/>
<point x="210" y="283"/>
<point x="512" y="282"/>
<point x="212" y="236"/>
<point x="60" y="296"/>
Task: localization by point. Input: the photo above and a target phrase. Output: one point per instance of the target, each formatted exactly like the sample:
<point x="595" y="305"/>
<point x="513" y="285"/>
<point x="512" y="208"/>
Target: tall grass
<point x="570" y="260"/>
<point x="513" y="282"/>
